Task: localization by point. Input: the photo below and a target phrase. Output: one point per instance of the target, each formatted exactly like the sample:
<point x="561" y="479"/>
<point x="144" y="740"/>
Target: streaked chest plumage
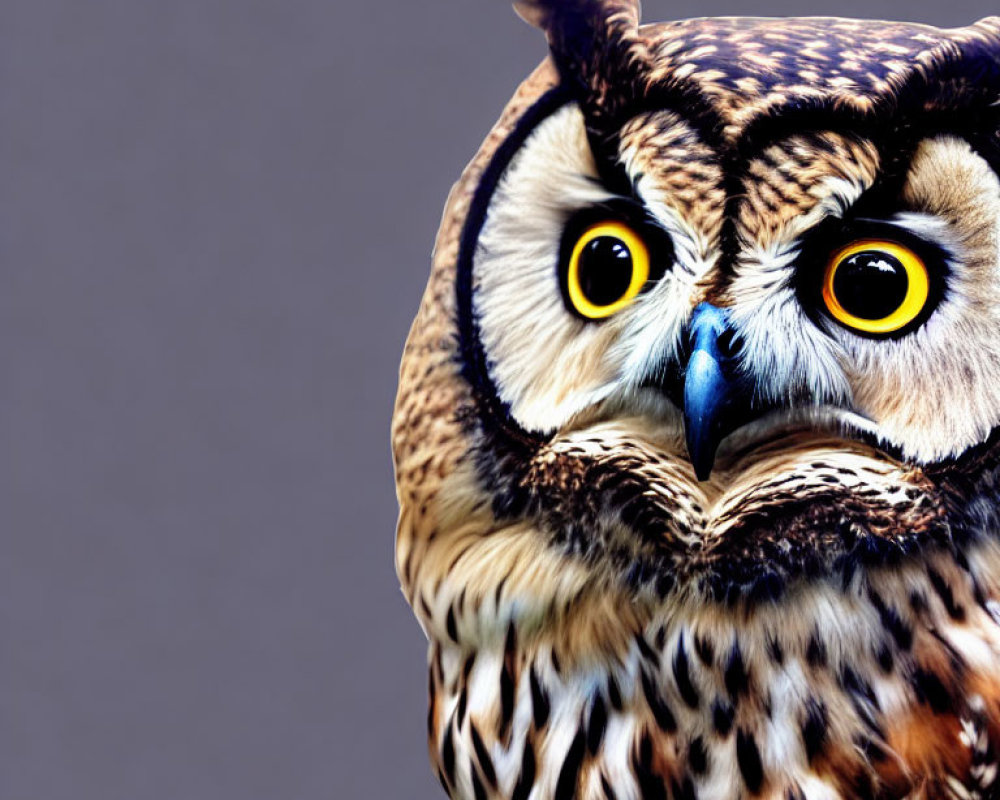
<point x="884" y="687"/>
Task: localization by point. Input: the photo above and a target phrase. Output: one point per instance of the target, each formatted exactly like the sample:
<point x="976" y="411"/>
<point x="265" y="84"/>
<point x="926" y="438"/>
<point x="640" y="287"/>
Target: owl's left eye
<point x="606" y="269"/>
<point x="876" y="287"/>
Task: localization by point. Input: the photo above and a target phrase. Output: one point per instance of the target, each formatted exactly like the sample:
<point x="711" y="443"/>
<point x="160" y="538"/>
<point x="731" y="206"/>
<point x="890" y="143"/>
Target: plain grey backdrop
<point x="215" y="226"/>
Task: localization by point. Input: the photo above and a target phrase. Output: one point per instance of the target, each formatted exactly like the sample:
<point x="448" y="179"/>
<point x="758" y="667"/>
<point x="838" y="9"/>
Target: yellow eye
<point x="608" y="267"/>
<point x="875" y="286"/>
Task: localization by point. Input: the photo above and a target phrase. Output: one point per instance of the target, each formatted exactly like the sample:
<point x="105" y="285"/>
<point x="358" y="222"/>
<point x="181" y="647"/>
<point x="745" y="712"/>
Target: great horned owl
<point x="696" y="438"/>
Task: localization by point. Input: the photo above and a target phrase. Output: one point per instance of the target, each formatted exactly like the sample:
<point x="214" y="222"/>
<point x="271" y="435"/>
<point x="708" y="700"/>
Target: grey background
<point x="215" y="222"/>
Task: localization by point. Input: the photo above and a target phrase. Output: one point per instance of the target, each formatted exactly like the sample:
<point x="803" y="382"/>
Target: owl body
<point x="695" y="440"/>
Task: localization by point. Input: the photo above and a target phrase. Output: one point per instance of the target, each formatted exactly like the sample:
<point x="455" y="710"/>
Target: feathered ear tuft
<point x="533" y="13"/>
<point x="540" y="13"/>
<point x="595" y="44"/>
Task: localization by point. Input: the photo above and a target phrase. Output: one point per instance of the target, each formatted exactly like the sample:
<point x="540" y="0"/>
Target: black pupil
<point x="870" y="284"/>
<point x="605" y="270"/>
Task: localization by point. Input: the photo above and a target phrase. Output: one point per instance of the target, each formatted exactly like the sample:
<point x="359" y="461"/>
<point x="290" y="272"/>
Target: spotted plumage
<point x="723" y="524"/>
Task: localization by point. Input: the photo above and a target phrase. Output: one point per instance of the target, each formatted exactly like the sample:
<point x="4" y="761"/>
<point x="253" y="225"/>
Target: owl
<point x="697" y="437"/>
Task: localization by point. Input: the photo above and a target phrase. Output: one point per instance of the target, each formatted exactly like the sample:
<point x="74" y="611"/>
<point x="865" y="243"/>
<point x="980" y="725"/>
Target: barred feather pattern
<point x="885" y="688"/>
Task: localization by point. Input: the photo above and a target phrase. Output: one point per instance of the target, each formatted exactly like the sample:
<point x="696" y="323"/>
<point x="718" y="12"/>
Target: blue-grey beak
<point x="711" y="397"/>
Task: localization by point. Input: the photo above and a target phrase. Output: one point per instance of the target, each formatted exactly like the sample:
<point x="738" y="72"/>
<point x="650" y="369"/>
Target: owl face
<point x="835" y="305"/>
<point x="714" y="312"/>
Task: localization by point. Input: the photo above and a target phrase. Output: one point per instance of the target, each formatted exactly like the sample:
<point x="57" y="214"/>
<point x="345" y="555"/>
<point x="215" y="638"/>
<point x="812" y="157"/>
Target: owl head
<point x="714" y="315"/>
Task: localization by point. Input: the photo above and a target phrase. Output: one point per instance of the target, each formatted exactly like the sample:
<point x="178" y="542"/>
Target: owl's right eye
<point x="608" y="266"/>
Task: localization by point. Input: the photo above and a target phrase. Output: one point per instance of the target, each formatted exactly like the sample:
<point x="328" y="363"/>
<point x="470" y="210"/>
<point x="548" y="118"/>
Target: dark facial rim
<point x="473" y="357"/>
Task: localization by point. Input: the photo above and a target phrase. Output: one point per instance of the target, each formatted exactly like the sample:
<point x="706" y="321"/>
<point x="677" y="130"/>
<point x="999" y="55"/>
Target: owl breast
<point x="884" y="688"/>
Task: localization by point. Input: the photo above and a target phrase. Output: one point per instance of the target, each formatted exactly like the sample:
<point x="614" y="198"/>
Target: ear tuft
<point x="534" y="13"/>
<point x="598" y="50"/>
<point x="540" y="13"/>
<point x="585" y="35"/>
